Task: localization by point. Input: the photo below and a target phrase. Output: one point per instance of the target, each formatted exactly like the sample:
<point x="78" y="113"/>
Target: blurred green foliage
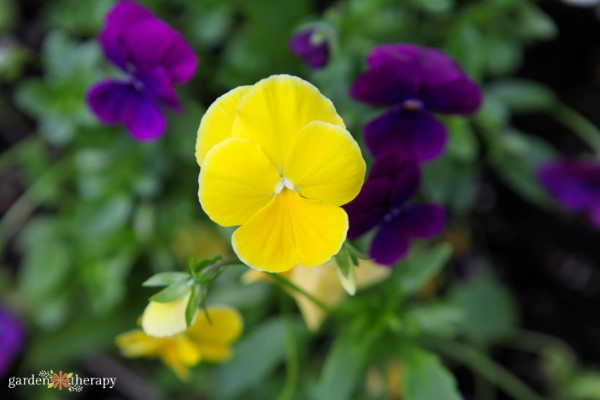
<point x="100" y="213"/>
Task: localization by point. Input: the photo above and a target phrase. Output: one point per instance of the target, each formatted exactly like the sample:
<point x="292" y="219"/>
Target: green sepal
<point x="172" y="292"/>
<point x="165" y="279"/>
<point x="192" y="305"/>
<point x="346" y="271"/>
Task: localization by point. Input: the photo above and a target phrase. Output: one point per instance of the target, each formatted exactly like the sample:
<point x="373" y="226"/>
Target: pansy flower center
<point x="412" y="104"/>
<point x="284" y="183"/>
<point x="391" y="215"/>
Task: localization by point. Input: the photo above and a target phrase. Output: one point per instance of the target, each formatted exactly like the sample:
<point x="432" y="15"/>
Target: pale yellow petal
<point x="369" y="273"/>
<point x="236" y="180"/>
<point x="321" y="282"/>
<point x="165" y="319"/>
<point x="137" y="344"/>
<point x="224" y="327"/>
<point x="325" y="163"/>
<point x="215" y="352"/>
<point x="253" y="275"/>
<point x="217" y="121"/>
<point x="275" y="109"/>
<point x="291" y="230"/>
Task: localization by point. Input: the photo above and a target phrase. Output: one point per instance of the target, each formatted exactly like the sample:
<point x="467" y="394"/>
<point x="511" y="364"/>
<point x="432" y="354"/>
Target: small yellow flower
<point x="204" y="340"/>
<point x="165" y="319"/>
<point x="322" y="282"/>
<point x="277" y="161"/>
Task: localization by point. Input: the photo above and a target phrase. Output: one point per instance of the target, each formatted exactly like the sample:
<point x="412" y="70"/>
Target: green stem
<point x="10" y="155"/>
<point x="26" y="204"/>
<point x="579" y="125"/>
<point x="291" y="380"/>
<point x="487" y="368"/>
<point x="280" y="279"/>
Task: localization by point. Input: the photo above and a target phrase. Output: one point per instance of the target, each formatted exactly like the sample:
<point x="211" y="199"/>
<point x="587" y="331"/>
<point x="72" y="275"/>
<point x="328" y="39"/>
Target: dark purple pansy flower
<point x="154" y="57"/>
<point x="12" y="337"/>
<point x="413" y="82"/>
<point x="381" y="203"/>
<point x="310" y="46"/>
<point x="575" y="184"/>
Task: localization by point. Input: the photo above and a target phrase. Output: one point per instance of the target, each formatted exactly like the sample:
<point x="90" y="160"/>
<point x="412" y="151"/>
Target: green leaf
<point x="341" y="372"/>
<point x="419" y="269"/>
<point x="425" y="377"/>
<point x="521" y="95"/>
<point x="172" y="292"/>
<point x="165" y="279"/>
<point x="439" y="319"/>
<point x="255" y="358"/>
<point x="490" y="314"/>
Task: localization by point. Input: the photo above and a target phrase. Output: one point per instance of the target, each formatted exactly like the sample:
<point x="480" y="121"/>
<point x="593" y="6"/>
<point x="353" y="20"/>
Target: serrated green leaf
<point x="165" y="279"/>
<point x="172" y="292"/>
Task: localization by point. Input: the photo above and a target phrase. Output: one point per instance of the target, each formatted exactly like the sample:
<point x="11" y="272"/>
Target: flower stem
<point x="487" y="368"/>
<point x="580" y="125"/>
<point x="291" y="380"/>
<point x="280" y="279"/>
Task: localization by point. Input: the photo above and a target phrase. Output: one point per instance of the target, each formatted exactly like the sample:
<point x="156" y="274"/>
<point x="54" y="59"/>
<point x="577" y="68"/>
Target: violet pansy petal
<point x="107" y="100"/>
<point x="421" y="221"/>
<point x="144" y="119"/>
<point x="12" y="338"/>
<point x="386" y="84"/>
<point x="119" y="102"/>
<point x="386" y="54"/>
<point x="571" y="183"/>
<point x="594" y="215"/>
<point x="389" y="162"/>
<point x="368" y="208"/>
<point x="438" y="68"/>
<point x="417" y="131"/>
<point x="155" y="44"/>
<point x="406" y="184"/>
<point x="389" y="245"/>
<point x="121" y="18"/>
<point x="315" y="55"/>
<point x="461" y="96"/>
<point x="159" y="84"/>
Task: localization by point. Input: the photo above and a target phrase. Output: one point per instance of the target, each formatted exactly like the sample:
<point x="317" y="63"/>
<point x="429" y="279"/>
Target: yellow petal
<point x="217" y="121"/>
<point x="291" y="230"/>
<point x="321" y="282"/>
<point x="325" y="163"/>
<point x="215" y="352"/>
<point x="180" y="354"/>
<point x="224" y="327"/>
<point x="275" y="109"/>
<point x="136" y="344"/>
<point x="253" y="275"/>
<point x="165" y="319"/>
<point x="236" y="180"/>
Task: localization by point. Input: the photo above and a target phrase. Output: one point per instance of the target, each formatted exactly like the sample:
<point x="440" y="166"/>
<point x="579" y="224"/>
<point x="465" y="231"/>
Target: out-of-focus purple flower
<point x="311" y="46"/>
<point x="12" y="337"/>
<point x="413" y="82"/>
<point x="154" y="56"/>
<point x="575" y="184"/>
<point x="393" y="179"/>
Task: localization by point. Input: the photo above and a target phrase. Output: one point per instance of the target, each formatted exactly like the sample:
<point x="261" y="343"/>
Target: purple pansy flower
<point x="393" y="179"/>
<point x="154" y="57"/>
<point x="12" y="337"/>
<point x="575" y="184"/>
<point x="310" y="46"/>
<point x="413" y="82"/>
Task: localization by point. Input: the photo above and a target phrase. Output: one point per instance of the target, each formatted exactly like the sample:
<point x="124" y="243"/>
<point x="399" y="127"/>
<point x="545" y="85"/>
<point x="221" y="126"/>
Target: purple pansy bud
<point x="575" y="184"/>
<point x="413" y="83"/>
<point x="12" y="337"/>
<point x="381" y="204"/>
<point x="155" y="58"/>
<point x="311" y="46"/>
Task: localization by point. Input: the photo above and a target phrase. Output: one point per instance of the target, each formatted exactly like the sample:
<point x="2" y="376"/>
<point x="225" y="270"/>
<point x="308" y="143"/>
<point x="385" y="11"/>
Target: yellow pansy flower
<point x="322" y="283"/>
<point x="204" y="340"/>
<point x="277" y="161"/>
<point x="165" y="319"/>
